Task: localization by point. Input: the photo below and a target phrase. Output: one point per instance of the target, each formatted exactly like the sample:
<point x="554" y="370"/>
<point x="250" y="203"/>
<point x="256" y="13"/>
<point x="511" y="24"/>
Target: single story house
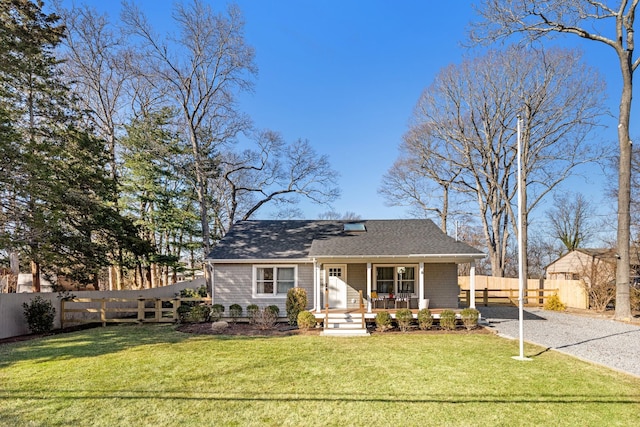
<point x="257" y="262"/>
<point x="583" y="263"/>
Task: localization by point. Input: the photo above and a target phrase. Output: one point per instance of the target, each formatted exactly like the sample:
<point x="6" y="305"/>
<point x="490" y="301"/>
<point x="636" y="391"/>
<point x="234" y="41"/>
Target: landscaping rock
<point x="219" y="326"/>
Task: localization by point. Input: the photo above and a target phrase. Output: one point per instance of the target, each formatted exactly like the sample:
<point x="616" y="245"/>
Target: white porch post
<point x="316" y="284"/>
<point x="472" y="285"/>
<point x="369" y="271"/>
<point x="421" y="283"/>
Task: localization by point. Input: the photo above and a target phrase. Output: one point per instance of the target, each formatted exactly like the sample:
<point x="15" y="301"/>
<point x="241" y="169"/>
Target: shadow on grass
<point x="88" y="343"/>
<point x="180" y="395"/>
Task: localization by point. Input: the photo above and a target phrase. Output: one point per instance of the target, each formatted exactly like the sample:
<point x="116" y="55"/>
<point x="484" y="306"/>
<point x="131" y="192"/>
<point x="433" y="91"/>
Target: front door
<point x="337" y="282"/>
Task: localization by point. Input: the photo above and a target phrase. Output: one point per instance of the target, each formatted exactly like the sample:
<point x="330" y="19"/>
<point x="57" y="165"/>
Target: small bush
<point x="235" y="311"/>
<point x="448" y="320"/>
<point x="265" y="319"/>
<point x="404" y="317"/>
<point x="274" y="309"/>
<point x="218" y="307"/>
<point x="383" y="321"/>
<point x="296" y="303"/>
<point x="184" y="313"/>
<point x="425" y="319"/>
<point x="202" y="313"/>
<point x="39" y="314"/>
<point x="306" y="320"/>
<point x="553" y="303"/>
<point x="215" y="314"/>
<point x="252" y="309"/>
<point x="635" y="298"/>
<point x="196" y="313"/>
<point x="470" y="318"/>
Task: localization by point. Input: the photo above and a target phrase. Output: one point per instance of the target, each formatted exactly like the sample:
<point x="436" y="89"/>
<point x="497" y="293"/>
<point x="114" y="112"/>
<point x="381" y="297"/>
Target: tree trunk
<point x="623" y="301"/>
<point x="35" y="277"/>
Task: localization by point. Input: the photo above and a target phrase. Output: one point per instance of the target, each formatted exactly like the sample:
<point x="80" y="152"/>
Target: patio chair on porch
<point x="403" y="298"/>
<point x="375" y="299"/>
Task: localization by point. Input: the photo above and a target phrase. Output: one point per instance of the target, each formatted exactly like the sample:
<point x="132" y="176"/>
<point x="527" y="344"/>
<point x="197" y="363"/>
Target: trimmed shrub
<point x="306" y="320"/>
<point x="39" y="314"/>
<point x="215" y="314"/>
<point x="218" y="307"/>
<point x="553" y="303"/>
<point x="196" y="313"/>
<point x="265" y="319"/>
<point x="274" y="309"/>
<point x="184" y="312"/>
<point x="470" y="318"/>
<point x="425" y="319"/>
<point x="252" y="309"/>
<point x="448" y="320"/>
<point x="404" y="317"/>
<point x="296" y="303"/>
<point x="235" y="311"/>
<point x="383" y="321"/>
<point x="202" y="313"/>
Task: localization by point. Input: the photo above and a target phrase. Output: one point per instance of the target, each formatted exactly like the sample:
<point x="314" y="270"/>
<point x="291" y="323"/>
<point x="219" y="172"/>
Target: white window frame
<point x="416" y="270"/>
<point x="275" y="267"/>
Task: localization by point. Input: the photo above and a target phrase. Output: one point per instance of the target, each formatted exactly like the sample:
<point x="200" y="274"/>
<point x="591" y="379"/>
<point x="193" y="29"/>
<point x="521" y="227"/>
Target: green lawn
<point x="156" y="376"/>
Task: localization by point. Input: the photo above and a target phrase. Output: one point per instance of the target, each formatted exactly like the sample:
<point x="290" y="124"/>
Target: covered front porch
<point x="389" y="284"/>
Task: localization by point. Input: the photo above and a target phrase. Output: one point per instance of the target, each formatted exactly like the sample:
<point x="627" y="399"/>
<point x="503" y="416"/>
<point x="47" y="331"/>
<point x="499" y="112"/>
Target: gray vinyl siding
<point x="233" y="284"/>
<point x="441" y="285"/>
<point x="357" y="281"/>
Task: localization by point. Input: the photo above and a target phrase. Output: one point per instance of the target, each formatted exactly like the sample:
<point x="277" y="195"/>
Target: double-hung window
<point x="406" y="279"/>
<point x="395" y="279"/>
<point x="384" y="280"/>
<point x="273" y="281"/>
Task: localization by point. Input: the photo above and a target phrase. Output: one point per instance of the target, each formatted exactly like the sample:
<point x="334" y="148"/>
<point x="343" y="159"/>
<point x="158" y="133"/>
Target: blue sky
<point x="346" y="74"/>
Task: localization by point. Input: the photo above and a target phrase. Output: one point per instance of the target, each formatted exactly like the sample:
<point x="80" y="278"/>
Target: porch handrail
<point x="361" y="308"/>
<point x="326" y="307"/>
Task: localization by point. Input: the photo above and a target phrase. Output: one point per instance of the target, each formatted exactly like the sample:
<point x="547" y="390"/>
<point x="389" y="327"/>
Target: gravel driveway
<point x="599" y="340"/>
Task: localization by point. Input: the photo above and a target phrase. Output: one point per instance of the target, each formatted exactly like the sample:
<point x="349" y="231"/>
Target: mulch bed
<point x="283" y="329"/>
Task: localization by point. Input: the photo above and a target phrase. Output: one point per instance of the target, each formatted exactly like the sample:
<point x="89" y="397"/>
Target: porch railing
<point x="362" y="309"/>
<point x="326" y="307"/>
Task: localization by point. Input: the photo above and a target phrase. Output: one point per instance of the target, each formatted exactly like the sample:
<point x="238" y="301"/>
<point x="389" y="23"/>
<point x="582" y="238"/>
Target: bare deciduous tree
<point x="571" y="220"/>
<point x="598" y="22"/>
<point x="471" y="109"/>
<point x="201" y="70"/>
<point x="422" y="177"/>
<point x="275" y="172"/>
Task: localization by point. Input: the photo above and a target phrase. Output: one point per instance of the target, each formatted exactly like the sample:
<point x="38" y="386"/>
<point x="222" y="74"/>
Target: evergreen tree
<point x="55" y="186"/>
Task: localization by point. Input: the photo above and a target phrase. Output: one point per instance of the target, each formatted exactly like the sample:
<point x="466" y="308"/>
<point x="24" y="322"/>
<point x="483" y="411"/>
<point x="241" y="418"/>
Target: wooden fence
<point x="486" y="296"/>
<point x="503" y="289"/>
<point x="122" y="310"/>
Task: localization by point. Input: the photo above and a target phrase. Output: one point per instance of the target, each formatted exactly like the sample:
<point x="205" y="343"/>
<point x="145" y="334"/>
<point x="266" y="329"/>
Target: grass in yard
<point x="153" y="375"/>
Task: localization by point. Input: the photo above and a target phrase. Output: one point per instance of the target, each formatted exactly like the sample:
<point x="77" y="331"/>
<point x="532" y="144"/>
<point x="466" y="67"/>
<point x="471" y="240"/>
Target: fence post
<point x="141" y="301"/>
<point x="485" y="296"/>
<point x="174" y="312"/>
<point x="103" y="312"/>
<point x="62" y="301"/>
<point x="467" y="296"/>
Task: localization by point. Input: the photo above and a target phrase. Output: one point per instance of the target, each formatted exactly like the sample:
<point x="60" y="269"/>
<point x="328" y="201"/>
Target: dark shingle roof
<point x="295" y="239"/>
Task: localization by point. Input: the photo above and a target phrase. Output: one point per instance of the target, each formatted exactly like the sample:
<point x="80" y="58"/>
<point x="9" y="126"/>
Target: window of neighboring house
<point x="274" y="281"/>
<point x="384" y="279"/>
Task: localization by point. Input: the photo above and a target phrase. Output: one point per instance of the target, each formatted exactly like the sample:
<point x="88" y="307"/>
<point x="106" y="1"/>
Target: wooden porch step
<point x="344" y="324"/>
